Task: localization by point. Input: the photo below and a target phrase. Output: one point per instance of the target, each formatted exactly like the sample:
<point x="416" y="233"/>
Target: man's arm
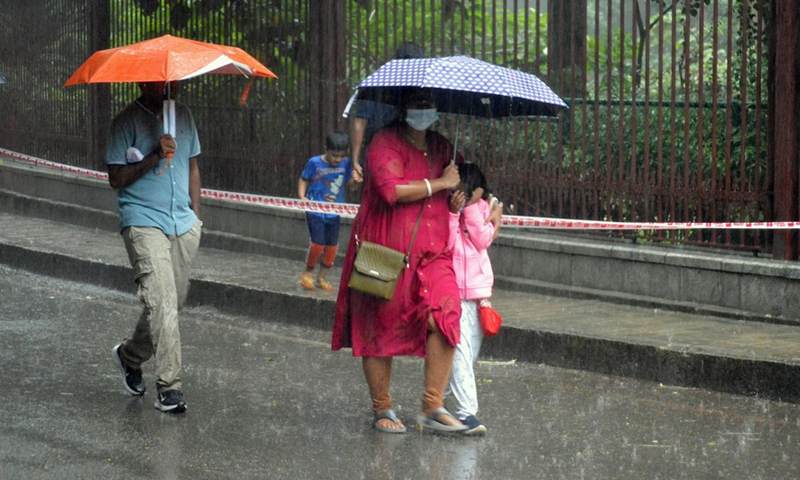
<point x="123" y="175"/>
<point x="194" y="185"/>
<point x="120" y="176"/>
<point x="354" y="178"/>
<point x="357" y="129"/>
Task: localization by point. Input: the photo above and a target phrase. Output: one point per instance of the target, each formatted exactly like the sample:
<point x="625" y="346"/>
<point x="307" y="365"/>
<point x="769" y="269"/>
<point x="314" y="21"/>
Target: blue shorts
<point x="322" y="230"/>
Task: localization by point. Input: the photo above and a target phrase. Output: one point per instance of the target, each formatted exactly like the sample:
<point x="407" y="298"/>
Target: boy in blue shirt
<point x="323" y="180"/>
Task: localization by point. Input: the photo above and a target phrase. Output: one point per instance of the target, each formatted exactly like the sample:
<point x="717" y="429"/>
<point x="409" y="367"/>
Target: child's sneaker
<point x="170" y="401"/>
<point x="325" y="285"/>
<point x="307" y="281"/>
<point x="474" y="427"/>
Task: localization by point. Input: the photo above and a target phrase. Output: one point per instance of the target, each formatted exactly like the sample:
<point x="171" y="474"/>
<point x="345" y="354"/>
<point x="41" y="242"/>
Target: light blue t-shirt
<point x="160" y="198"/>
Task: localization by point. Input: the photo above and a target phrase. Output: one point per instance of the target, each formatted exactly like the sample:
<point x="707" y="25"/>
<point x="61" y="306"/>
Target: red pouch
<point x="490" y="319"/>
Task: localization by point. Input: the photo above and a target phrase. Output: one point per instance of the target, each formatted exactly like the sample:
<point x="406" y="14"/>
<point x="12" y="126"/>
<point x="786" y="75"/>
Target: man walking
<point x="157" y="180"/>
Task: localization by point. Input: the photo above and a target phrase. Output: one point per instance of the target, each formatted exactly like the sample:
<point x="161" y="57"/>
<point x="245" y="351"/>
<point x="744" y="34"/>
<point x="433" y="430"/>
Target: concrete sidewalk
<point x="744" y="357"/>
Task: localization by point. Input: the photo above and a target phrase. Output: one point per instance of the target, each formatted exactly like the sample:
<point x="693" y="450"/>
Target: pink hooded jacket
<point x="470" y="240"/>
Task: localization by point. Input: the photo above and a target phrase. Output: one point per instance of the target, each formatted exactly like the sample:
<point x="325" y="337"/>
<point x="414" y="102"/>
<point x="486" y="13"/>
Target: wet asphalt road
<point x="270" y="401"/>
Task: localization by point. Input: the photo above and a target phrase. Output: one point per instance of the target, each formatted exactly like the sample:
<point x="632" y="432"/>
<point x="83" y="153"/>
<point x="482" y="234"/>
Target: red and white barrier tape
<point x="349" y="209"/>
<point x="53" y="165"/>
<point x="566" y="224"/>
<point x="345" y="209"/>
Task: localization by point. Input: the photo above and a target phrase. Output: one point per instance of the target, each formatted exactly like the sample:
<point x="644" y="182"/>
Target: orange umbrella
<point x="165" y="59"/>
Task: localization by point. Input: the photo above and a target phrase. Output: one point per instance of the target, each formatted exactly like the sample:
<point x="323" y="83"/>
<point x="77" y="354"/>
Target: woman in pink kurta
<point x="407" y="171"/>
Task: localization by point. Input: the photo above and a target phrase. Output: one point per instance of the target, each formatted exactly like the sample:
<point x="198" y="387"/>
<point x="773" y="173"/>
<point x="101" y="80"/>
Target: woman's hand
<point x="457" y="201"/>
<point x="420" y="189"/>
<point x="450" y="178"/>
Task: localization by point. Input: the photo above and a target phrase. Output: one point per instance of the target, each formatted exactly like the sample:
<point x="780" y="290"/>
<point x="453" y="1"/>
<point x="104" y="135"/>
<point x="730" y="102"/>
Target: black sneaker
<point x="170" y="401"/>
<point x="475" y="427"/>
<point x="131" y="377"/>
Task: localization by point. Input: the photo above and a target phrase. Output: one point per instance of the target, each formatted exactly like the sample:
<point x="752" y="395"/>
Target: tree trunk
<point x="327" y="89"/>
<point x="784" y="123"/>
<point x="566" y="47"/>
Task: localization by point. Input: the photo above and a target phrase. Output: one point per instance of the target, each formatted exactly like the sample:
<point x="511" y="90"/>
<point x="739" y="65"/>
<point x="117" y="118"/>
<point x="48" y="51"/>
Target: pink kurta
<point x="379" y="328"/>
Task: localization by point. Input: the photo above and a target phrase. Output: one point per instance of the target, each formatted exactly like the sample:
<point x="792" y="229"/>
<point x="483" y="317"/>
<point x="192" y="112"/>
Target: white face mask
<point x="421" y="119"/>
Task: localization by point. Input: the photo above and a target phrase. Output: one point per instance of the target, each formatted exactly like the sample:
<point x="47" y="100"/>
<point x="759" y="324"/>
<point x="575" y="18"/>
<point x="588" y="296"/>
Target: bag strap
<point x="413" y="235"/>
<point x="410" y="244"/>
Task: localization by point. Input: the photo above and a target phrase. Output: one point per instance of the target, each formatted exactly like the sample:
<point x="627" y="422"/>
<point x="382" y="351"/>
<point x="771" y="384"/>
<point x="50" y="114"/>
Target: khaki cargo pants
<point x="161" y="266"/>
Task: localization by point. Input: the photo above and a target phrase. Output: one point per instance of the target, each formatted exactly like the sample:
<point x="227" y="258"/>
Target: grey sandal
<point x="389" y="415"/>
<point x="432" y="422"/>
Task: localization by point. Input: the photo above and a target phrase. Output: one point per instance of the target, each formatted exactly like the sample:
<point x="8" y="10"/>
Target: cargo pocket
<point x="147" y="283"/>
<point x="149" y="255"/>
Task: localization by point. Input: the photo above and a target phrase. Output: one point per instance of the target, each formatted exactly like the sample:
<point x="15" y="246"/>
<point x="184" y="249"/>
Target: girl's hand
<point x="457" y="201"/>
<point x="495" y="215"/>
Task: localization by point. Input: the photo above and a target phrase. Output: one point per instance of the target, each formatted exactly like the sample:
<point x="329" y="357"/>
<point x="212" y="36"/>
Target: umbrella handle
<point x="455" y="147"/>
<point x="169" y="122"/>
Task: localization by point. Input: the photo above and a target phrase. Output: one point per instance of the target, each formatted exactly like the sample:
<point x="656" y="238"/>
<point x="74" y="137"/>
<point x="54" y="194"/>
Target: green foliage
<point x="623" y="66"/>
<point x="454" y="24"/>
<point x="614" y="159"/>
<point x="654" y="152"/>
<point x="664" y="237"/>
<point x="676" y="149"/>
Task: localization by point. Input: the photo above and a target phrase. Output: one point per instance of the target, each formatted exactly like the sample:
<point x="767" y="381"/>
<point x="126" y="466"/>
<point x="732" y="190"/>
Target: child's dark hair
<point x="471" y="179"/>
<point x="337" y="142"/>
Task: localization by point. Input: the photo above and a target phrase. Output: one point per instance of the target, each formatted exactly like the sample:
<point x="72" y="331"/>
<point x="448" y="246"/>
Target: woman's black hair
<point x="412" y="95"/>
<point x="471" y="179"/>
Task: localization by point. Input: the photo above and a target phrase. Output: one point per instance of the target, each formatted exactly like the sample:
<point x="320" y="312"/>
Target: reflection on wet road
<point x="272" y="401"/>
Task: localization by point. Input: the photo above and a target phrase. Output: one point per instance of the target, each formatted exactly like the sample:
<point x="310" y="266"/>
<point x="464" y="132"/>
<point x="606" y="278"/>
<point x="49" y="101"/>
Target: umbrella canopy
<point x="463" y="85"/>
<point x="166" y="59"/>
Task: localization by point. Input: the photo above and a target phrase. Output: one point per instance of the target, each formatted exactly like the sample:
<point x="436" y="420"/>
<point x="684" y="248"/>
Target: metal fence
<point x="259" y="147"/>
<point x="667" y="118"/>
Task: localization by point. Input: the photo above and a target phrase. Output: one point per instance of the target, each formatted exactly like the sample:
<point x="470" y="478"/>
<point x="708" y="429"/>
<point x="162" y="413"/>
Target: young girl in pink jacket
<point x="470" y="237"/>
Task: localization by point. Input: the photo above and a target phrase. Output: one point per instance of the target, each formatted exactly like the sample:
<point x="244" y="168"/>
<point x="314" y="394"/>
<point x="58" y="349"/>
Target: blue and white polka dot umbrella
<point x="463" y="85"/>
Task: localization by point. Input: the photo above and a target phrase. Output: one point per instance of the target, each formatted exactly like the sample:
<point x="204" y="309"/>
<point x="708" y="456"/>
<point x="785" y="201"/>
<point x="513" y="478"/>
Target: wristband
<point x="428" y="186"/>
